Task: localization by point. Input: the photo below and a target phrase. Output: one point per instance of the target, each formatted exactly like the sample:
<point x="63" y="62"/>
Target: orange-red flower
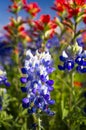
<point x="73" y="12"/>
<point x="24" y="2"/>
<point x="15" y="7"/>
<point x="80" y="2"/>
<point x="16" y="28"/>
<point x="59" y="5"/>
<point x="78" y="84"/>
<point x="45" y="18"/>
<point x="44" y="22"/>
<point x="31" y="8"/>
<point x="45" y="25"/>
<point x="84" y="37"/>
<point x="71" y="7"/>
<point x="84" y="17"/>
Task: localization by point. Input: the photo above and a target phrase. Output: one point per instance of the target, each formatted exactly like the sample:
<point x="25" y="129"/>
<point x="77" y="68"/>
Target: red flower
<point x="84" y="17"/>
<point x="32" y="8"/>
<point x="84" y="20"/>
<point x="45" y="18"/>
<point x="80" y="2"/>
<point x="73" y="12"/>
<point x="24" y="2"/>
<point x="24" y="36"/>
<point x="14" y="8"/>
<point x="38" y="26"/>
<point x="78" y="84"/>
<point x="84" y="37"/>
<point x="44" y="24"/>
<point x="58" y="5"/>
<point x="72" y="7"/>
<point x="52" y="24"/>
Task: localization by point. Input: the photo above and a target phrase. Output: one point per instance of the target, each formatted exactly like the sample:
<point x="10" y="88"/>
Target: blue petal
<point x="25" y="102"/>
<point x="50" y="88"/>
<point x="69" y="65"/>
<point x="62" y="58"/>
<point x="61" y="67"/>
<point x="24" y="89"/>
<point x="51" y="102"/>
<point x="43" y="78"/>
<point x="24" y="70"/>
<point x="80" y="41"/>
<point x="50" y="82"/>
<point x="7" y="83"/>
<point x="23" y="80"/>
<point x="79" y="60"/>
<point x="50" y="70"/>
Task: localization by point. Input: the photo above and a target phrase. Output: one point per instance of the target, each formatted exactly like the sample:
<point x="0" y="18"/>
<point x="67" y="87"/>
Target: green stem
<point x="72" y="96"/>
<point x="71" y="90"/>
<point x="39" y="123"/>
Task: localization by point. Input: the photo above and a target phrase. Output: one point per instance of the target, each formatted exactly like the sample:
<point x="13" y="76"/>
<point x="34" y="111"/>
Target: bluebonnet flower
<point x="81" y="61"/>
<point x="38" y="85"/>
<point x="70" y="57"/>
<point x="35" y="45"/>
<point x="68" y="62"/>
<point x="3" y="78"/>
<point x="38" y="43"/>
<point x="5" y="51"/>
<point x="53" y="42"/>
<point x="81" y="42"/>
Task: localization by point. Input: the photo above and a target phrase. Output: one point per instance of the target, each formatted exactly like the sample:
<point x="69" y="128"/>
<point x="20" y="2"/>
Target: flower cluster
<point x="16" y="27"/>
<point x="38" y="85"/>
<point x="81" y="61"/>
<point x="15" y="7"/>
<point x="70" y="59"/>
<point x="3" y="78"/>
<point x="70" y="7"/>
<point x="32" y="8"/>
<point x="45" y="25"/>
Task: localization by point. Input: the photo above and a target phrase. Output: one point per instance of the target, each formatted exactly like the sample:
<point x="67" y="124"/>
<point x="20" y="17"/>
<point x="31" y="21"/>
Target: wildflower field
<point x="43" y="67"/>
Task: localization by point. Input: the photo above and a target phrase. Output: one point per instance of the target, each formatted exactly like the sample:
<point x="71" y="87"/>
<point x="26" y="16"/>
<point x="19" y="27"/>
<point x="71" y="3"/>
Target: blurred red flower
<point x="84" y="17"/>
<point x="45" y="18"/>
<point x="71" y="7"/>
<point x="31" y="8"/>
<point x="16" y="27"/>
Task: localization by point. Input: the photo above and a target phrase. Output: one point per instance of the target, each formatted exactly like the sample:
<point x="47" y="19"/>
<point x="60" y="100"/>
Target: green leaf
<point x="65" y="113"/>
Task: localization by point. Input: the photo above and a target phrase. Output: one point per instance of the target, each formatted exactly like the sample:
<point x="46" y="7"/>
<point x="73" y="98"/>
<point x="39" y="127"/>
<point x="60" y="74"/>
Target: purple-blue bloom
<point x="68" y="61"/>
<point x="81" y="61"/>
<point x="53" y="42"/>
<point x="71" y="57"/>
<point x="3" y="77"/>
<point x="81" y="42"/>
<point x="5" y="51"/>
<point x="38" y="85"/>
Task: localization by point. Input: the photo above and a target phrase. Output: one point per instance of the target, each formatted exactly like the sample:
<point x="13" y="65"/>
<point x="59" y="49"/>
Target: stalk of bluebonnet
<point x="3" y="77"/>
<point x="38" y="85"/>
